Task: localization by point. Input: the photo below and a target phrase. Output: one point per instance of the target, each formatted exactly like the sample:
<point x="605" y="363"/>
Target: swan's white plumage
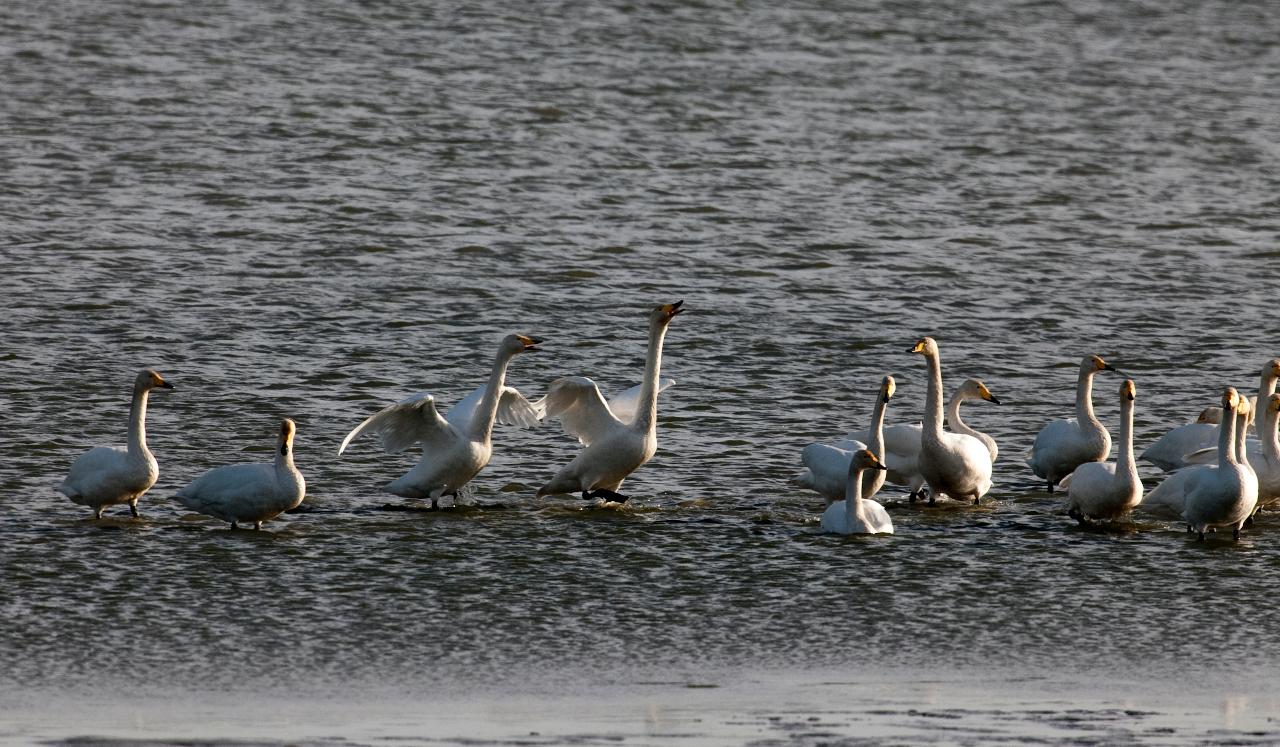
<point x="1224" y="495"/>
<point x="826" y="467"/>
<point x="1102" y="490"/>
<point x="1171" y="450"/>
<point x="1063" y="445"/>
<point x="250" y="493"/>
<point x="105" y="476"/>
<point x="456" y="446"/>
<point x="613" y="448"/>
<point x="956" y="465"/>
<point x="855" y="514"/>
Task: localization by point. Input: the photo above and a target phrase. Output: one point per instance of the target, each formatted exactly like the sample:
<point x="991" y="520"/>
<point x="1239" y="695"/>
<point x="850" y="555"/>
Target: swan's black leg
<point x="435" y="504"/>
<point x="912" y="496"/>
<point x="1200" y="537"/>
<point x="609" y="495"/>
<point x="133" y="509"/>
<point x="1249" y="521"/>
<point x="975" y="500"/>
<point x="1235" y="534"/>
<point x="234" y="525"/>
<point x="1050" y="485"/>
<point x="588" y="495"/>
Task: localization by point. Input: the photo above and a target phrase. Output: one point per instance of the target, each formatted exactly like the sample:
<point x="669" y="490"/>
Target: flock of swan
<point x="1218" y="479"/>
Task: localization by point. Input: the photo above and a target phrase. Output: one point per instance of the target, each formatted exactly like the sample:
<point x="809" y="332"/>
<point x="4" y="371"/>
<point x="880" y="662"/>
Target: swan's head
<point x="287" y="430"/>
<point x="864" y="459"/>
<point x="664" y="313"/>
<point x="925" y="346"/>
<point x="1273" y="403"/>
<point x="1128" y="392"/>
<point x="148" y="379"/>
<point x="1093" y="364"/>
<point x="1272" y="369"/>
<point x="975" y="389"/>
<point x="517" y="344"/>
<point x="1244" y="409"/>
<point x="887" y="387"/>
<point x="1230" y="398"/>
<point x="1210" y="415"/>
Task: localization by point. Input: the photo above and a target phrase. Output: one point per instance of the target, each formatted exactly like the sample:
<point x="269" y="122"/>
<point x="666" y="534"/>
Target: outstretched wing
<point x="576" y="400"/>
<point x="513" y="409"/>
<point x="409" y="421"/>
<point x="625" y="403"/>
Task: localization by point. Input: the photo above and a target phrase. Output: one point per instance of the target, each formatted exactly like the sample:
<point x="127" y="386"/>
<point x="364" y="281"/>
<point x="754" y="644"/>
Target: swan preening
<point x="104" y="476"/>
<point x="956" y="465"/>
<point x="855" y="514"/>
<point x="1101" y="490"/>
<point x="1063" y="445"/>
<point x="457" y="446"/>
<point x="249" y="493"/>
<point x="613" y="446"/>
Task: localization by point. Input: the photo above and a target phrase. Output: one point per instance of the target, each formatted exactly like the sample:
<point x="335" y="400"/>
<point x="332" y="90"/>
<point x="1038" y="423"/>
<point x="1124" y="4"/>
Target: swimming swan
<point x="1063" y="445"/>
<point x="1170" y="451"/>
<point x="104" y="476"/>
<point x="249" y="492"/>
<point x="827" y="467"/>
<point x="953" y="464"/>
<point x="457" y="446"/>
<point x="1226" y="495"/>
<point x="613" y="448"/>
<point x="1101" y="490"/>
<point x="855" y="514"/>
<point x="902" y="441"/>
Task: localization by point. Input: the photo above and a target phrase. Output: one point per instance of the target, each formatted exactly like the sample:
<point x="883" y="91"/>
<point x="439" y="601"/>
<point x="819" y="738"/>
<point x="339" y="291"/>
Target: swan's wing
<point x="409" y="421"/>
<point x="577" y="401"/>
<point x="513" y="409"/>
<point x="1201" y="456"/>
<point x="624" y="403"/>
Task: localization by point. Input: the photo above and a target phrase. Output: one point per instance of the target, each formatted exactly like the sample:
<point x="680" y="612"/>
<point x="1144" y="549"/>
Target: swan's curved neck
<point x="1125" y="463"/>
<point x="1266" y="388"/>
<point x="138" y="423"/>
<point x="1084" y="401"/>
<point x="876" y="437"/>
<point x="852" y="498"/>
<point x="1241" y="451"/>
<point x="953" y="416"/>
<point x="1227" y="438"/>
<point x="1267" y="434"/>
<point x="487" y="410"/>
<point x="284" y="455"/>
<point x="933" y="399"/>
<point x="647" y="408"/>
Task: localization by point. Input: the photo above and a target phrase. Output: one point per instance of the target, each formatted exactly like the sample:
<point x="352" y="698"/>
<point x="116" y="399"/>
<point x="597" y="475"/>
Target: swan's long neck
<point x="933" y="399"/>
<point x="852" y="498"/>
<point x="284" y="456"/>
<point x="876" y="437"/>
<point x="1267" y="434"/>
<point x="953" y="416"/>
<point x="138" y="424"/>
<point x="647" y="409"/>
<point x="487" y="410"/>
<point x="1266" y="389"/>
<point x="1241" y="450"/>
<point x="1084" y="401"/>
<point x="1126" y="466"/>
<point x="1227" y="438"/>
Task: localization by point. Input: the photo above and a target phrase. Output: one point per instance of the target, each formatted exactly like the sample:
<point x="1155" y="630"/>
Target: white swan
<point x="826" y="468"/>
<point x="902" y="441"/>
<point x="613" y="448"/>
<point x="1101" y="490"/>
<point x="855" y="514"/>
<point x="1063" y="445"/>
<point x="457" y="446"/>
<point x="1266" y="462"/>
<point x="1170" y="496"/>
<point x="1226" y="495"/>
<point x="249" y="492"/>
<point x="953" y="464"/>
<point x="1202" y="454"/>
<point x="1170" y="451"/>
<point x="104" y="476"/>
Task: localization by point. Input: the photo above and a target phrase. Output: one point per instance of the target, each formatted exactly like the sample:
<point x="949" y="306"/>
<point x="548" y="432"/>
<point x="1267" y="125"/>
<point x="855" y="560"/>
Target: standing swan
<point x="612" y="448"/>
<point x="1063" y="445"/>
<point x="249" y="492"/>
<point x="1101" y="490"/>
<point x="1224" y="496"/>
<point x="457" y="446"/>
<point x="1267" y="463"/>
<point x="104" y="476"/>
<point x="827" y="467"/>
<point x="855" y="514"/>
<point x="953" y="464"/>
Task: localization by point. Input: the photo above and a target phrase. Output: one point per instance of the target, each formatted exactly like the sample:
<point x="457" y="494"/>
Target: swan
<point x="1101" y="490"/>
<point x="457" y="446"/>
<point x="855" y="514"/>
<point x="104" y="476"/>
<point x="249" y="492"/>
<point x="902" y="441"/>
<point x="953" y="464"/>
<point x="1063" y="445"/>
<point x="1202" y="454"/>
<point x="1171" y="450"/>
<point x="1224" y="495"/>
<point x="1170" y="496"/>
<point x="1266" y="460"/>
<point x="827" y="467"/>
<point x="613" y="447"/>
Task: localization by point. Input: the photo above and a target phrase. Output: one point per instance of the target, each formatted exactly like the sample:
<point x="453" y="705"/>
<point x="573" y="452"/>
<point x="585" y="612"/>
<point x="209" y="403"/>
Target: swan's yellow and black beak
<point x="166" y="385"/>
<point x="870" y="461"/>
<point x="1128" y="390"/>
<point x="987" y="395"/>
<point x="529" y="343"/>
<point x="918" y="347"/>
<point x="672" y="309"/>
<point x="887" y="387"/>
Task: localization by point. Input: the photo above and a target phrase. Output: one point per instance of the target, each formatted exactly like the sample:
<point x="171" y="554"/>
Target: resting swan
<point x="613" y="447"/>
<point x="457" y="446"/>
<point x="1101" y="490"/>
<point x="827" y="467"/>
<point x="953" y="464"/>
<point x="104" y="476"/>
<point x="1063" y="445"/>
<point x="249" y="492"/>
<point x="1224" y="495"/>
<point x="855" y="514"/>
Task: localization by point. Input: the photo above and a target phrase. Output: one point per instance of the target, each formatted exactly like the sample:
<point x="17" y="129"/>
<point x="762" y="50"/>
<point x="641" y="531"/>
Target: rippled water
<point x="313" y="209"/>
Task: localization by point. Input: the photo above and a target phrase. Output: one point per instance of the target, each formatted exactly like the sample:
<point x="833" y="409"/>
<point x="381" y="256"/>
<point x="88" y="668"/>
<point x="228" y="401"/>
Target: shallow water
<point x="312" y="210"/>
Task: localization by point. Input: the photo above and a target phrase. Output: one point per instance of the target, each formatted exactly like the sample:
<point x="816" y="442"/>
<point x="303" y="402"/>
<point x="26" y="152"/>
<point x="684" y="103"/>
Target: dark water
<point x="313" y="209"/>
